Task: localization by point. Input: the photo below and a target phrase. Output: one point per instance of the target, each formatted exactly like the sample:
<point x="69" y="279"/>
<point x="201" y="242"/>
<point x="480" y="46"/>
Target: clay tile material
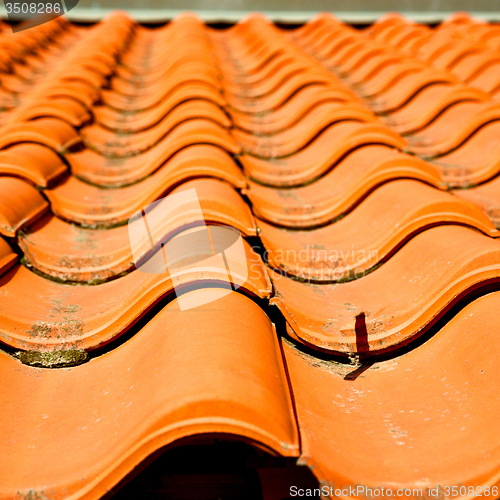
<point x="367" y="316"/>
<point x="441" y="392"/>
<point x="458" y="51"/>
<point x="143" y="103"/>
<point x="14" y="84"/>
<point x="234" y="384"/>
<point x="86" y="317"/>
<point x="119" y="120"/>
<point x="429" y="104"/>
<point x="347" y="51"/>
<point x="89" y="205"/>
<point x="278" y="98"/>
<point x="468" y="68"/>
<point x="35" y="163"/>
<point x="20" y="204"/>
<point x="49" y="132"/>
<point x="362" y="57"/>
<point x="486" y="197"/>
<point x="279" y="63"/>
<point x="8" y="101"/>
<point x="117" y="144"/>
<point x="74" y="89"/>
<point x="381" y="82"/>
<point x="334" y="43"/>
<point x="88" y="163"/>
<point x="475" y="161"/>
<point x="340" y="189"/>
<point x="438" y="139"/>
<point x="445" y="127"/>
<point x="71" y="253"/>
<point x="321" y="155"/>
<point x="299" y="135"/>
<point x="191" y="65"/>
<point x="268" y="85"/>
<point x="373" y="67"/>
<point x="187" y="71"/>
<point x="7" y="256"/>
<point x="146" y="100"/>
<point x="406" y="88"/>
<point x="199" y="160"/>
<point x="86" y="75"/>
<point x="292" y="112"/>
<point x="487" y="79"/>
<point x="65" y="109"/>
<point x="389" y="216"/>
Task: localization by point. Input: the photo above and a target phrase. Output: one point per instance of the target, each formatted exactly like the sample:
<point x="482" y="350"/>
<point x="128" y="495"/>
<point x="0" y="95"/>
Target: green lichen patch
<point x="53" y="359"/>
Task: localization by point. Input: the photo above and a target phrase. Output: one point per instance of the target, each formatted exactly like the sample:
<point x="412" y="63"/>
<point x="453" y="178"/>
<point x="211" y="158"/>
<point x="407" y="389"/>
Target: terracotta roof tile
<point x="438" y="115"/>
<point x="302" y="103"/>
<point x="401" y="92"/>
<point x="233" y="385"/>
<point x="298" y="136"/>
<point x="50" y="132"/>
<point x="378" y="83"/>
<point x="475" y="161"/>
<point x="411" y="119"/>
<point x="20" y="204"/>
<point x="197" y="68"/>
<point x="487" y="77"/>
<point x="90" y="205"/>
<point x="339" y="190"/>
<point x="114" y="172"/>
<point x="372" y="263"/>
<point x="377" y="64"/>
<point x="35" y="163"/>
<point x="82" y="317"/>
<point x="437" y="140"/>
<point x="121" y="121"/>
<point x="341" y="251"/>
<point x="486" y="196"/>
<point x="135" y="141"/>
<point x="7" y="257"/>
<point x="144" y="102"/>
<point x="395" y="408"/>
<point x="74" y="89"/>
<point x="65" y="109"/>
<point x="280" y="96"/>
<point x="330" y="147"/>
<point x="367" y="316"/>
<point x="71" y="253"/>
<point x="197" y="131"/>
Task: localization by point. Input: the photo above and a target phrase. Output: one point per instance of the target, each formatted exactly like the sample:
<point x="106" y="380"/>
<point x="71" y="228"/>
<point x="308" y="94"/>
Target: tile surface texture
<point x="287" y="237"/>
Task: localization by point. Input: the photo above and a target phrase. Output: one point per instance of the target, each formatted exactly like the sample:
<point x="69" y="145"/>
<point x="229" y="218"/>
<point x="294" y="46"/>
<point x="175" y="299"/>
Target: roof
<point x="356" y="11"/>
<point x="288" y="237"/>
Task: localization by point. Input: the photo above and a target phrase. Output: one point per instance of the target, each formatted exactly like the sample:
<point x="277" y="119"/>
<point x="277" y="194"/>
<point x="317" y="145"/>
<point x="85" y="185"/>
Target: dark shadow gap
<point x="211" y="468"/>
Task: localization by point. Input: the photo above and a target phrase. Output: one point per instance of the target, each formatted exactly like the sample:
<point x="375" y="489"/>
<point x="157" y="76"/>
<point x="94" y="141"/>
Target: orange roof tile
<point x="393" y="409"/>
<point x="71" y="253"/>
<point x="83" y="317"/>
<point x="340" y="189"/>
<point x="340" y="251"/>
<point x="109" y="414"/>
<point x="144" y="326"/>
<point x="20" y="204"/>
<point x="35" y="163"/>
<point x="368" y="316"/>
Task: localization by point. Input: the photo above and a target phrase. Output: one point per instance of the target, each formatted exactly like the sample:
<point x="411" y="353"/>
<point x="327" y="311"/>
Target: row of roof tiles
<point x="441" y="118"/>
<point x="463" y="50"/>
<point x="77" y="160"/>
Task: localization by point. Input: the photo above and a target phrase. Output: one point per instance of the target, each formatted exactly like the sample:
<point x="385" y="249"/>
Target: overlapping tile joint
<point x="361" y="168"/>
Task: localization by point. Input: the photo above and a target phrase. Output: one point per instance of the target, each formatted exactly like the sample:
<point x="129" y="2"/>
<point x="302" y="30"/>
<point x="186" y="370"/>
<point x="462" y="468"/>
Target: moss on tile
<point x="53" y="359"/>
